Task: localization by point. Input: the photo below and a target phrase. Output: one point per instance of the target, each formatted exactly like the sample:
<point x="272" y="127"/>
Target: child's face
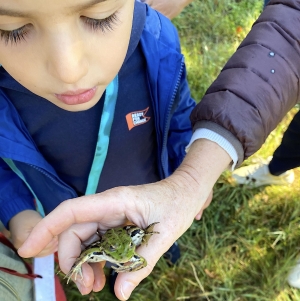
<point x="66" y="51"/>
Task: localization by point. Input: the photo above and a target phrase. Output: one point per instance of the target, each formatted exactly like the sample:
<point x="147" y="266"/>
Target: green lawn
<point x="247" y="239"/>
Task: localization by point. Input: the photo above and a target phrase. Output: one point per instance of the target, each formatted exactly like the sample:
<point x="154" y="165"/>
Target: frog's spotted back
<point x="117" y="244"/>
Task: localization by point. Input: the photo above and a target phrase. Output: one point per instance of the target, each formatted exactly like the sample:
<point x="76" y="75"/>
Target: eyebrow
<point x="79" y="7"/>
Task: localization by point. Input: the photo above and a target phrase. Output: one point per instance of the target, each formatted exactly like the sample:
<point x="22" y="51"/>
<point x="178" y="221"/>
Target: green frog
<point x="117" y="246"/>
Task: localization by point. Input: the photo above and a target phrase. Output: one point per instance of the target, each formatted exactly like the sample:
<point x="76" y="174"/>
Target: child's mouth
<point x="76" y="97"/>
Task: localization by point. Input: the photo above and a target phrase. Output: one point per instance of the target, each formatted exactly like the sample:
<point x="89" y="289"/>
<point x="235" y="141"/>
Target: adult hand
<point x="20" y="227"/>
<point x="173" y="202"/>
<point x="169" y="8"/>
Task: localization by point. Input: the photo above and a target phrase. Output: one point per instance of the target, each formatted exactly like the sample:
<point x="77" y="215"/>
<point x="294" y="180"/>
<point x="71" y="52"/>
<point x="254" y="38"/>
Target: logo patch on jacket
<point x="137" y="118"/>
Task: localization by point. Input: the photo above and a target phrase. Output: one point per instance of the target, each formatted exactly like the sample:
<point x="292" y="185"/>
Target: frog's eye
<point x="135" y="233"/>
<point x="131" y="244"/>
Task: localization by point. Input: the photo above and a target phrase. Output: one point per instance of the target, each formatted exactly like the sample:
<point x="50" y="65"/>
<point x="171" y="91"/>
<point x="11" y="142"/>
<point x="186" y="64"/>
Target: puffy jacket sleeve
<point x="260" y="82"/>
<point x="14" y="194"/>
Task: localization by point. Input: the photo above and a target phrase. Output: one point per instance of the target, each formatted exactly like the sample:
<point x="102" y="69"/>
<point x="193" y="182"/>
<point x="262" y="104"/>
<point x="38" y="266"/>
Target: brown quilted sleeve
<point x="260" y="82"/>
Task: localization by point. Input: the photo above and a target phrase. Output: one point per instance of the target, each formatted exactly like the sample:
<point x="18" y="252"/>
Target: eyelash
<point x="104" y="25"/>
<point x="18" y="35"/>
<point x="15" y="36"/>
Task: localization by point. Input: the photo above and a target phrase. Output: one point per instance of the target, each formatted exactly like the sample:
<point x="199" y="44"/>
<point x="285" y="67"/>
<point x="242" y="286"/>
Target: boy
<point x="67" y="66"/>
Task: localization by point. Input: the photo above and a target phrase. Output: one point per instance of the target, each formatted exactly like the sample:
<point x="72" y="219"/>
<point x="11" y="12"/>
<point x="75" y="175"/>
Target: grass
<point x="210" y="31"/>
<point x="247" y="240"/>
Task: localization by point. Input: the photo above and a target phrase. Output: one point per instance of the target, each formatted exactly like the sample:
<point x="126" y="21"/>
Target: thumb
<point x="127" y="282"/>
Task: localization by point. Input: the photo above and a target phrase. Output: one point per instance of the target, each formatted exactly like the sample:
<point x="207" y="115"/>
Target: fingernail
<point x="126" y="290"/>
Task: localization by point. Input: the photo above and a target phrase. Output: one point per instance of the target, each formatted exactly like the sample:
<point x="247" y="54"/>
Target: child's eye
<point x="104" y="25"/>
<point x="15" y="36"/>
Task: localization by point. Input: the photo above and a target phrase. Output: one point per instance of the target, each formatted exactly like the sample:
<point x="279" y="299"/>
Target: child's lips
<point x="77" y="97"/>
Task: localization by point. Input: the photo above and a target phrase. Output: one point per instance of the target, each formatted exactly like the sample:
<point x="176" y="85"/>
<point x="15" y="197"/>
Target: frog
<point x="118" y="246"/>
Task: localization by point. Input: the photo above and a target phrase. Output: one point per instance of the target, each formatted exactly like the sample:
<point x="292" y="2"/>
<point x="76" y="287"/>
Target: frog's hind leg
<point x="136" y="263"/>
<point x="88" y="256"/>
<point x="75" y="270"/>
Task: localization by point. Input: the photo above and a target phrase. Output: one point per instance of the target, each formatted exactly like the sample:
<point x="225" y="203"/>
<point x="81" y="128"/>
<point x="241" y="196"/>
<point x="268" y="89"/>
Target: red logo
<point x="137" y="118"/>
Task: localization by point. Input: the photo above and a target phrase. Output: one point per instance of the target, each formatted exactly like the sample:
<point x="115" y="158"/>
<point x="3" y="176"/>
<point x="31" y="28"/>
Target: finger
<point x="206" y="204"/>
<point x="199" y="215"/>
<point x="69" y="245"/>
<point x="93" y="278"/>
<point x="99" y="276"/>
<point x="51" y="248"/>
<point x="85" y="284"/>
<point x="90" y="240"/>
<point x="42" y="234"/>
<point x="107" y="207"/>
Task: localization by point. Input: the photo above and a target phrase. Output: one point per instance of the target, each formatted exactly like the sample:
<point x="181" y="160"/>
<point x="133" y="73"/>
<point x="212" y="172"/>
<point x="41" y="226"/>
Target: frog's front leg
<point x="136" y="263"/>
<point x="148" y="233"/>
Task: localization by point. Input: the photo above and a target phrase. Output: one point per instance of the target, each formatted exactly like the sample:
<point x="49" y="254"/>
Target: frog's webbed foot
<point x="149" y="232"/>
<point x="75" y="270"/>
<point x="136" y="263"/>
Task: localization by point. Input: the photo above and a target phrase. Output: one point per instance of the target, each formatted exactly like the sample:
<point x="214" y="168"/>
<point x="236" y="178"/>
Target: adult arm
<point x="169" y="8"/>
<point x="173" y="202"/>
<point x="260" y="82"/>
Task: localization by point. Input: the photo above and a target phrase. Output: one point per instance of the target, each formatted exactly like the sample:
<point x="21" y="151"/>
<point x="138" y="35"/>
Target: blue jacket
<point x="23" y="166"/>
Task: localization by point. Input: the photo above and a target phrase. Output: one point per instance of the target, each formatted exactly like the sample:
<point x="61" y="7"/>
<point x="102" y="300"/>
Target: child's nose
<point x="68" y="62"/>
